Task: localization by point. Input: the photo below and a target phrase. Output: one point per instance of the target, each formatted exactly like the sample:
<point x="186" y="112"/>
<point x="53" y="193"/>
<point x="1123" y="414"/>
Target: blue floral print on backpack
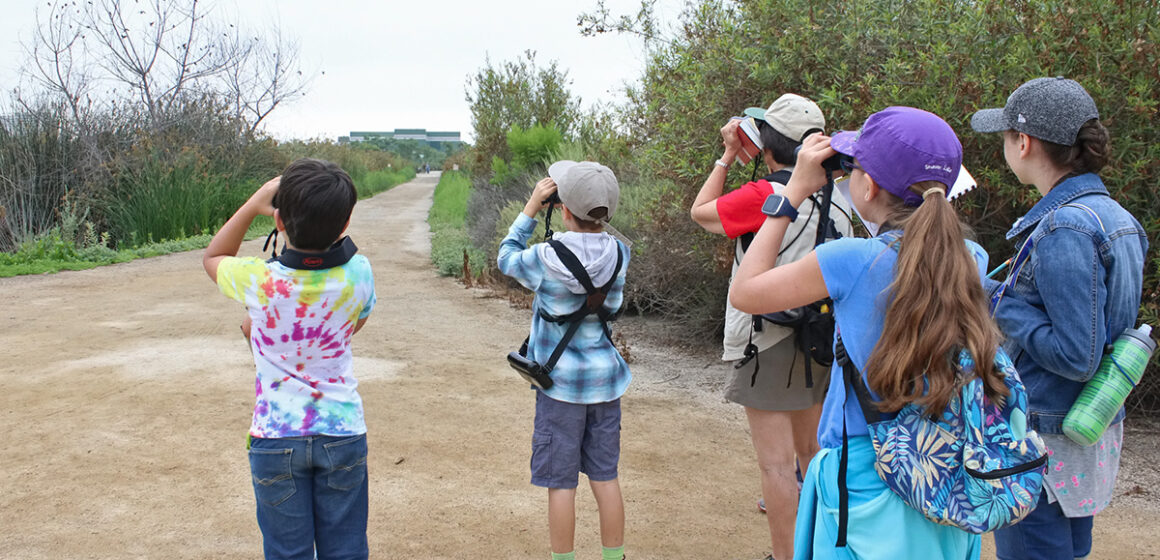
<point x="977" y="467"/>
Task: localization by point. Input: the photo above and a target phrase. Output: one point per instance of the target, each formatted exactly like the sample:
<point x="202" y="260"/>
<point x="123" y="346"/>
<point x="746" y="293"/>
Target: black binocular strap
<point x="338" y="254"/>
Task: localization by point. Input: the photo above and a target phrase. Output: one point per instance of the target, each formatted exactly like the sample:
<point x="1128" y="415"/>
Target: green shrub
<point x="447" y="219"/>
<point x="162" y="200"/>
<point x="533" y="145"/>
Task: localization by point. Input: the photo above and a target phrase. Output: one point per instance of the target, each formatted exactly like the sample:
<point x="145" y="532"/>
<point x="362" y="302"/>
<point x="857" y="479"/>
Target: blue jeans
<point x="312" y="496"/>
<point x="1045" y="534"/>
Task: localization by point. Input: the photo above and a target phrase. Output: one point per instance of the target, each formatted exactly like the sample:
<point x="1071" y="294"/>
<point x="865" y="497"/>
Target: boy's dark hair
<point x="780" y="146"/>
<point x="315" y="200"/>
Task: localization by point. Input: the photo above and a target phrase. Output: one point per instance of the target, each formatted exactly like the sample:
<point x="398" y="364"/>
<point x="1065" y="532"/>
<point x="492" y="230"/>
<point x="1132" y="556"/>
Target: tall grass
<point x="447" y="219"/>
<point x="375" y="182"/>
<point x="154" y="201"/>
<point x="161" y="201"/>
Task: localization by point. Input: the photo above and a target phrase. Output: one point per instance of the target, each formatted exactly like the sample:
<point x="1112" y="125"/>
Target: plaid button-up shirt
<point x="590" y="370"/>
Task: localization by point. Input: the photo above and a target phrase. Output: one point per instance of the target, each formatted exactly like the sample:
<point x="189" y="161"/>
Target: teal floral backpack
<point x="977" y="467"/>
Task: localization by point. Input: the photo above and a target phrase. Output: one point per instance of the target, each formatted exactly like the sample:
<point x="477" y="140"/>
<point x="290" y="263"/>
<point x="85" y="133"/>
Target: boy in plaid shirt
<point x="577" y="424"/>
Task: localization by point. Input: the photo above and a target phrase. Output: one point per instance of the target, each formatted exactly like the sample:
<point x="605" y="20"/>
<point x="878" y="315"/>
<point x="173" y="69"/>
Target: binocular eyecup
<point x="530" y="370"/>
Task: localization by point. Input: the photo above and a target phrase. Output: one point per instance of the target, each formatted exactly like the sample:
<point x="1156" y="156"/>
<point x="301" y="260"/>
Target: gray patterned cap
<point x="1052" y="109"/>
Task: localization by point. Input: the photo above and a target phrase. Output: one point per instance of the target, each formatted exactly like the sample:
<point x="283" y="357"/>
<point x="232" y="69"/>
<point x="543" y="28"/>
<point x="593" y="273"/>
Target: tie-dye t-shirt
<point x="302" y="326"/>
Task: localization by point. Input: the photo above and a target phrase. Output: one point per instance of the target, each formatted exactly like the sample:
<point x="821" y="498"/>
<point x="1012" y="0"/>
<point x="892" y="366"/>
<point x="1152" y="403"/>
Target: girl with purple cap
<point x="904" y="302"/>
<point x="1074" y="285"/>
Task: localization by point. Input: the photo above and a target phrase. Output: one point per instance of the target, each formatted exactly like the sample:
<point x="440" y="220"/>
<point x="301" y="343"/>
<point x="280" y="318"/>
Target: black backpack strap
<point x="804" y="343"/>
<point x="853" y="380"/>
<point x="780" y="176"/>
<point x="559" y="351"/>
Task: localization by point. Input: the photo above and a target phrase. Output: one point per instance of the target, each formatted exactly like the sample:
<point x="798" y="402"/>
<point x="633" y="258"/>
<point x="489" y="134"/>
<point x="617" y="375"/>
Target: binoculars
<point x="530" y="370"/>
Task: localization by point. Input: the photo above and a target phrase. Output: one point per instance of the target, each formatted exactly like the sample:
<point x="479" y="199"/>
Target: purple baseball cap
<point x="901" y="146"/>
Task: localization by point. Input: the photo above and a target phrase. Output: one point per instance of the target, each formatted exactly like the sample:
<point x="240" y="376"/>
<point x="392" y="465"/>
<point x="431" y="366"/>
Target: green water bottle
<point x="1119" y="372"/>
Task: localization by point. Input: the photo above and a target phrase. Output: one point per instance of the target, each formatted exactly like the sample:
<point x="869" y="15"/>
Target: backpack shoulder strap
<point x="854" y="380"/>
<point x="780" y="176"/>
<point x="1090" y="212"/>
<point x="869" y="411"/>
<point x="615" y="270"/>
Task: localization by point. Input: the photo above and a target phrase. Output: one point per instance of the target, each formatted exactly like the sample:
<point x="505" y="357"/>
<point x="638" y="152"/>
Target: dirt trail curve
<point x="128" y="391"/>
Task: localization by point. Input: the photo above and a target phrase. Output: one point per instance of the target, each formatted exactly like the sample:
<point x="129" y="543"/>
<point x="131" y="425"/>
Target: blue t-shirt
<point x="858" y="273"/>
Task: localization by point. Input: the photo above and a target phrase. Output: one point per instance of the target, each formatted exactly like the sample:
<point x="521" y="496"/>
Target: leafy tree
<point x="517" y="93"/>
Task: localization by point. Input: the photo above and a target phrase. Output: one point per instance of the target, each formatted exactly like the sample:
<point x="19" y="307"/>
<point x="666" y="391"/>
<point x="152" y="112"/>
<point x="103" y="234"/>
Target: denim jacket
<point x="1078" y="289"/>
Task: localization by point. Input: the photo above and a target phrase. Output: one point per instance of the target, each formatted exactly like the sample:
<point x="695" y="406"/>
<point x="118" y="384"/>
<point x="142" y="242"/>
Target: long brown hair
<point x="936" y="308"/>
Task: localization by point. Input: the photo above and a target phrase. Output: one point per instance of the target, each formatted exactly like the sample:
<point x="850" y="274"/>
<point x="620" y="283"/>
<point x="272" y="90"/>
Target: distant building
<point x="420" y="134"/>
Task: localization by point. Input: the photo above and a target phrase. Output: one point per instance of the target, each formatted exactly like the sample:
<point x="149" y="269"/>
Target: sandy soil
<point x="128" y="391"/>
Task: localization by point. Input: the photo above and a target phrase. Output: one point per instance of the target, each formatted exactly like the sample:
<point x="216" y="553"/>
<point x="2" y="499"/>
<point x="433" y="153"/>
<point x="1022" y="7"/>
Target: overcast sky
<point x="404" y="64"/>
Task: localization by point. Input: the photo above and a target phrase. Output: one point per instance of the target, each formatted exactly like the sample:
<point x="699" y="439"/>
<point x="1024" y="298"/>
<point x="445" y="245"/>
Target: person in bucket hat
<point x="1091" y="252"/>
<point x="768" y="377"/>
<point x="902" y="301"/>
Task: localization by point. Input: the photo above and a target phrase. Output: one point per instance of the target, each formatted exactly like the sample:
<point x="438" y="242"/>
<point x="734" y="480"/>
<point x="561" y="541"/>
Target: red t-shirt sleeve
<point x="740" y="210"/>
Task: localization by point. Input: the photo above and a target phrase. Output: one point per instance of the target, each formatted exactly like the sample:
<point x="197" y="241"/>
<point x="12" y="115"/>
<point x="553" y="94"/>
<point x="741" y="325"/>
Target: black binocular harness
<point x="594" y="305"/>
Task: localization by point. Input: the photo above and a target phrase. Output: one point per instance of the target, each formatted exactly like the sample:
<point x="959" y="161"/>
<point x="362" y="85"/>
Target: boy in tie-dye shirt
<point x="308" y="451"/>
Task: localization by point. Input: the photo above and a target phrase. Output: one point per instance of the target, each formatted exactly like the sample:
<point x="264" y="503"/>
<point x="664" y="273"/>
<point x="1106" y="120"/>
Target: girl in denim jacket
<point x="1074" y="285"/>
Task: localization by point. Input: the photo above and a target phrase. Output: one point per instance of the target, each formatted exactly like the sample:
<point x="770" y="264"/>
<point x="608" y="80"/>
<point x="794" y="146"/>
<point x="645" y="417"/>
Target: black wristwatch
<point x="777" y="206"/>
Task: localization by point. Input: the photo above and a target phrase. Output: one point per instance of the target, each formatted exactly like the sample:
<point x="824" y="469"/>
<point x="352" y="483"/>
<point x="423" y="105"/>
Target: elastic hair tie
<point x="940" y="190"/>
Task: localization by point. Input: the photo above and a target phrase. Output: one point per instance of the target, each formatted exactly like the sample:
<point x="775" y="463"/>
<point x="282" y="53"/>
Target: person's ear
<point x="872" y="187"/>
<point x="1024" y="145"/>
<point x="566" y="212"/>
<point x="278" y="223"/>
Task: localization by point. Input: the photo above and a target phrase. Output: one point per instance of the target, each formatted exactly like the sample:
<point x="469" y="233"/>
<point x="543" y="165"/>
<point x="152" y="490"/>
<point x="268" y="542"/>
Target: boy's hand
<point x="544" y="189"/>
<point x="229" y="238"/>
<point x="262" y="201"/>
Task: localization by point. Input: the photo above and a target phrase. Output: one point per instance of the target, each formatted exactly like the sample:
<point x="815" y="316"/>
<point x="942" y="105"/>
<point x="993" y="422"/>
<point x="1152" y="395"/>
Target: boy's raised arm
<point x="229" y="238"/>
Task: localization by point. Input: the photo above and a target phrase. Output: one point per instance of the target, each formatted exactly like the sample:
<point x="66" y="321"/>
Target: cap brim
<point x="989" y="120"/>
<point x="557" y="170"/>
<point x="843" y="142"/>
<point x="755" y="112"/>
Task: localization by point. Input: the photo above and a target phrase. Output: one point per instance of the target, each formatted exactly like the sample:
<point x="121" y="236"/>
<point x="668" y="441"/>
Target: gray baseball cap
<point x="1052" y="109"/>
<point x="584" y="186"/>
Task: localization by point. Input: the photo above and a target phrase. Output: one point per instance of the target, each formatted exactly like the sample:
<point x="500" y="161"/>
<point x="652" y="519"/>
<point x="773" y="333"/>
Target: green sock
<point x="564" y="556"/>
<point x="614" y="553"/>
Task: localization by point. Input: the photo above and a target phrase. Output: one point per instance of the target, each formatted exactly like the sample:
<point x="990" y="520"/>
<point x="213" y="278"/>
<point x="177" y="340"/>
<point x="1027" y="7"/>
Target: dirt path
<point x="128" y="392"/>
